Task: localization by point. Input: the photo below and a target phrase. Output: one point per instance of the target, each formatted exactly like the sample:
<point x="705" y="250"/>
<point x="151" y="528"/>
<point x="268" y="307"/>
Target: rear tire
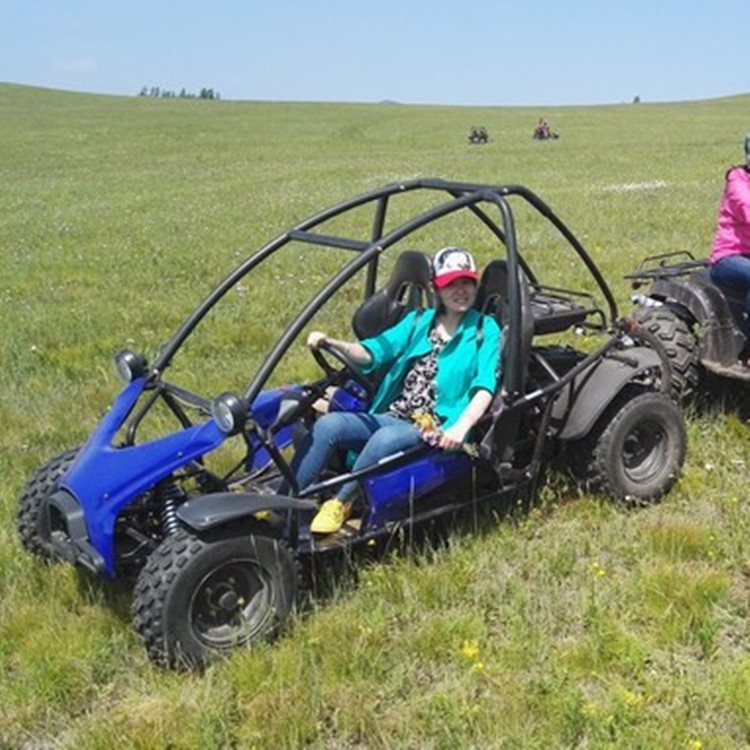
<point x="196" y="600"/>
<point x="664" y="326"/>
<point x="32" y="521"/>
<point x="636" y="452"/>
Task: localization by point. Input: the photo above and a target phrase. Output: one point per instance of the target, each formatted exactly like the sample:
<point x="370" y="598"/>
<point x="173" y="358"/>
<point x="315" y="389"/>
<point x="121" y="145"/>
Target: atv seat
<point x="407" y="289"/>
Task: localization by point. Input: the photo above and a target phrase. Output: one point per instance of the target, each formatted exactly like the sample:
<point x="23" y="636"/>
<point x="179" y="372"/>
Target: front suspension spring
<point x="172" y="496"/>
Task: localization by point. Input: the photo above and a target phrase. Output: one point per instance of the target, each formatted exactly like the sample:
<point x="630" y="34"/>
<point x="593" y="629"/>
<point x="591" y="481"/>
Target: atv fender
<point x="581" y="404"/>
<point x="701" y="299"/>
<point x="211" y="511"/>
<point x="719" y="334"/>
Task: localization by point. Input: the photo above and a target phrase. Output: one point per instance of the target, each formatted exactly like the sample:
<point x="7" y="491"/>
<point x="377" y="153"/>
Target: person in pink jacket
<point x="730" y="254"/>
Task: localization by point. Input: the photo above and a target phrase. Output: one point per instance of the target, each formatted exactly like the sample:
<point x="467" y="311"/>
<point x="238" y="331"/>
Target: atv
<point x="478" y="134"/>
<point x="219" y="557"/>
<point x="543" y="133"/>
<point x="698" y="324"/>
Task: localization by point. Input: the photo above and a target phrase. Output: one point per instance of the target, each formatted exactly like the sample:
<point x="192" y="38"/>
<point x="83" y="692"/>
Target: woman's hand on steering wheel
<point x="315" y="339"/>
<point x="320" y="343"/>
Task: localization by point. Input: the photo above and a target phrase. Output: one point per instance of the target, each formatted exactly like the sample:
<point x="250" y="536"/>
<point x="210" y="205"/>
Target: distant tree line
<point x="156" y="93"/>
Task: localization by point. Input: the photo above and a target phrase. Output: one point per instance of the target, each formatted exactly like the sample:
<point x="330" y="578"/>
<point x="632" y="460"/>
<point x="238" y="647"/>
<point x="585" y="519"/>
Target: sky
<point x="447" y="52"/>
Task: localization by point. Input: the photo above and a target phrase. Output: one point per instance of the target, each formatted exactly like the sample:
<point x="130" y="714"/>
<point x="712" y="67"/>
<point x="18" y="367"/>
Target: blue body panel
<point x="391" y="494"/>
<point x="104" y="479"/>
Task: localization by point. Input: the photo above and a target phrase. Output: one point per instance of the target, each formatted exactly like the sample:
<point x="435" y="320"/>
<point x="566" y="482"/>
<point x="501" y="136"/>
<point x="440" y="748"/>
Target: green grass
<point x="578" y="625"/>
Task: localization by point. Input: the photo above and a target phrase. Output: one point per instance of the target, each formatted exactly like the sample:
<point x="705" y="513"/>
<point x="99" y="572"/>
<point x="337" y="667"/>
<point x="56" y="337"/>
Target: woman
<point x="442" y="363"/>
<point x="730" y="256"/>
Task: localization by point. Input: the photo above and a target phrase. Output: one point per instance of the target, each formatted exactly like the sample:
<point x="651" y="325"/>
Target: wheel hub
<point x="231" y="604"/>
<point x="228" y="601"/>
<point x="642" y="451"/>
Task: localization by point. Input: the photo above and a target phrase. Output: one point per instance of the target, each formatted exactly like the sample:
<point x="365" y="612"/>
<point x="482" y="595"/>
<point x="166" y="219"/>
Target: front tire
<point x="32" y="519"/>
<point x="637" y="451"/>
<point x="678" y="343"/>
<point x="196" y="600"/>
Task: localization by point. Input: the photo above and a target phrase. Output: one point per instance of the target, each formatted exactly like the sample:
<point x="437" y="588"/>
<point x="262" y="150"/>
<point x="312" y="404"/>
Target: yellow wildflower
<point x="470" y="650"/>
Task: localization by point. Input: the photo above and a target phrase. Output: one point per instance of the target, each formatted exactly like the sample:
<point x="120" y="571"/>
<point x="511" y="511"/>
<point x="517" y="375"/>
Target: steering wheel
<point x="350" y="367"/>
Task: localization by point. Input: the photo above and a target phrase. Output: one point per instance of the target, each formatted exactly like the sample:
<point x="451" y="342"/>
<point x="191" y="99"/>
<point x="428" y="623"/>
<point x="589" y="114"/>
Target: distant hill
<point x="730" y="98"/>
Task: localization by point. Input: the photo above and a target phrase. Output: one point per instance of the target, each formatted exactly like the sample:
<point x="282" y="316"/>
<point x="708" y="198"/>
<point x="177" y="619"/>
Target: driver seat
<point x="407" y="289"/>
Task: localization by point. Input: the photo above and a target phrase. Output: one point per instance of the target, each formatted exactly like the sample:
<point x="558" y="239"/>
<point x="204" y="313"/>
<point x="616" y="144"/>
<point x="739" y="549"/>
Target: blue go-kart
<point x="220" y="558"/>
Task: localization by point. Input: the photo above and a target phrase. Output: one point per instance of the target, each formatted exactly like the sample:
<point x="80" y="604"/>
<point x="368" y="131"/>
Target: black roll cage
<point x="462" y="196"/>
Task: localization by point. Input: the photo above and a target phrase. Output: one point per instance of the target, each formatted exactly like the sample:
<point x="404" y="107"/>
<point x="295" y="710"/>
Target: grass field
<point x="578" y="625"/>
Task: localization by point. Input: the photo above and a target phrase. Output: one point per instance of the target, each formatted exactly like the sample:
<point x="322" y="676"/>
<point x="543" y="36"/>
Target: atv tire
<point x="196" y="600"/>
<point x="32" y="522"/>
<point x="637" y="450"/>
<point x="661" y="325"/>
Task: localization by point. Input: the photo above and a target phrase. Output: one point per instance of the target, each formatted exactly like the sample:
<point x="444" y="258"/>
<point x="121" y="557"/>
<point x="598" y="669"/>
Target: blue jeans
<point x="373" y="436"/>
<point x="733" y="273"/>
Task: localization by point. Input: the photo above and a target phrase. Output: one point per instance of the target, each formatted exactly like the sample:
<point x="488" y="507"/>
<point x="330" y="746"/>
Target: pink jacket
<point x="733" y="230"/>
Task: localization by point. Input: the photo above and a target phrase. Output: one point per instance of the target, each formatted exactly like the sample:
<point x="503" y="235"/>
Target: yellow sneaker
<point x="330" y="517"/>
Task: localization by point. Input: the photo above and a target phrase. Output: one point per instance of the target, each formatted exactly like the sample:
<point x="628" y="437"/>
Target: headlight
<point x="130" y="366"/>
<point x="229" y="412"/>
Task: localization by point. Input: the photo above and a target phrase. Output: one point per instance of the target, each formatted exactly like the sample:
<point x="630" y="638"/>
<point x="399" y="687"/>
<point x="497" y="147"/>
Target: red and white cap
<point x="452" y="263"/>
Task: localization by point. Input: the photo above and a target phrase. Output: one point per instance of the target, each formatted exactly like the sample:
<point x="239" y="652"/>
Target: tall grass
<point x="578" y="625"/>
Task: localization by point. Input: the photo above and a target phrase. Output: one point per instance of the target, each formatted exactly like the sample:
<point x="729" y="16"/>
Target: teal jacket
<point x="468" y="362"/>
